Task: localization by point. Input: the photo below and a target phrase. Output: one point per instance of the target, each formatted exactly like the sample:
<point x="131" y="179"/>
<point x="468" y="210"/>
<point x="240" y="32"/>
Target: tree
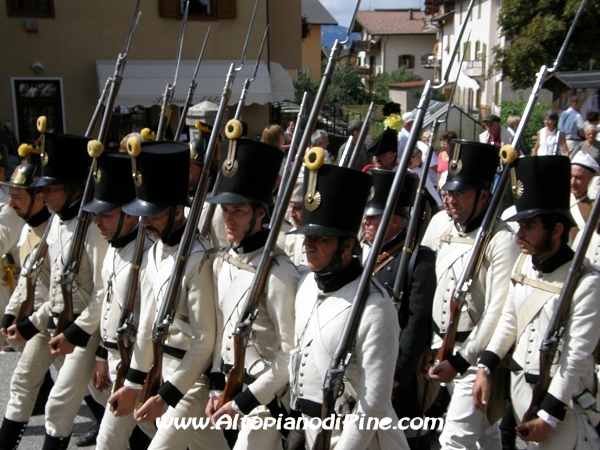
<point x="381" y="93"/>
<point x="346" y="86"/>
<point x="535" y="31"/>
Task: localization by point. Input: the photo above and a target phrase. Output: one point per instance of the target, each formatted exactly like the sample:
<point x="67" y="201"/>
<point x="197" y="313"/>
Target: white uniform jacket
<point x="115" y="276"/>
<point x="192" y="334"/>
<point x="488" y="291"/>
<point x="525" y="320"/>
<point x="87" y="286"/>
<point x="10" y="230"/>
<point x="272" y="337"/>
<point x="320" y="319"/>
<point x="30" y="237"/>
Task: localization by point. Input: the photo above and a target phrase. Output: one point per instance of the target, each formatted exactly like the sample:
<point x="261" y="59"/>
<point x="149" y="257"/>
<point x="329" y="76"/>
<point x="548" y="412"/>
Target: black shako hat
<point x="542" y="186"/>
<point x="382" y="184"/>
<point x="27" y="173"/>
<point x="252" y="176"/>
<point x="334" y="207"/>
<point x="161" y="171"/>
<point x="472" y="165"/>
<point x="113" y="184"/>
<point x="385" y="142"/>
<point x="64" y="158"/>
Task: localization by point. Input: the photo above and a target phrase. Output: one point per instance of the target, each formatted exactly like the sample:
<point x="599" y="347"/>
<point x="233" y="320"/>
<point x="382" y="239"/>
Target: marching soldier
<point x="65" y="163"/>
<point x="470" y="177"/>
<point x="11" y="225"/>
<point x="244" y="197"/>
<point x="584" y="177"/>
<point x="28" y="377"/>
<point x="188" y="352"/>
<point x="415" y="308"/>
<point x="294" y="243"/>
<point x="322" y="303"/>
<point x="114" y="187"/>
<point x="563" y="420"/>
<point x="384" y="151"/>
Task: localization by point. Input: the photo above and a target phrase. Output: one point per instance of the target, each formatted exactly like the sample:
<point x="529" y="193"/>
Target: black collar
<point x="123" y="241"/>
<point x="562" y="256"/>
<point x="175" y="237"/>
<point x="70" y="212"/>
<point x="38" y="218"/>
<point x="254" y="242"/>
<point x="395" y="241"/>
<point x="333" y="282"/>
<point x="474" y="223"/>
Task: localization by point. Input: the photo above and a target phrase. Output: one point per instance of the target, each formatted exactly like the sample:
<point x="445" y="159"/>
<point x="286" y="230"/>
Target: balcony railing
<point x="429" y="61"/>
<point x="474" y="68"/>
<point x="365" y="46"/>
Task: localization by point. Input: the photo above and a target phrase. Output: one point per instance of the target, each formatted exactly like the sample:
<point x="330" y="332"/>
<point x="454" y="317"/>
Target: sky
<point x="342" y="10"/>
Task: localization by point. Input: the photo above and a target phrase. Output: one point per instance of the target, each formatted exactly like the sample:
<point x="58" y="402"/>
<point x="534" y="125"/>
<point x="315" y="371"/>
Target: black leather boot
<point x="56" y="443"/>
<point x="11" y="433"/>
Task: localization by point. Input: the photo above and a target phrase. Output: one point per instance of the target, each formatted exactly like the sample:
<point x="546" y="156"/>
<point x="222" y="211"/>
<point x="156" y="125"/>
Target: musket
<point x="361" y="138"/>
<point x="558" y="322"/>
<point x="165" y="109"/>
<point x="31" y="273"/>
<point x="126" y="330"/>
<point x="291" y="153"/>
<point x="116" y="79"/>
<point x="95" y="148"/>
<point x="210" y="209"/>
<point x="166" y="313"/>
<point x="249" y="312"/>
<point x="99" y="106"/>
<point x="191" y="90"/>
<point x="507" y="154"/>
<point x="246" y="86"/>
<point x="413" y="230"/>
<point x="333" y="383"/>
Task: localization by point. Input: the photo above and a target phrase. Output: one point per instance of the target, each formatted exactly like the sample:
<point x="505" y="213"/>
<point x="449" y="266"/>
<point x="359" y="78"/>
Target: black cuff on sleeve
<point x="75" y="335"/>
<point x="554" y="407"/>
<point x="170" y="394"/>
<point x="459" y="363"/>
<point x="136" y="376"/>
<point x="101" y="352"/>
<point x="217" y="381"/>
<point x="246" y="401"/>
<point x="27" y="329"/>
<point x="7" y="320"/>
<point x="490" y="360"/>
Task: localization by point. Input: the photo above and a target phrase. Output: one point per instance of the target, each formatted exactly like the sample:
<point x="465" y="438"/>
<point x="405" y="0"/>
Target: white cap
<point x="408" y="117"/>
<point x="586" y="161"/>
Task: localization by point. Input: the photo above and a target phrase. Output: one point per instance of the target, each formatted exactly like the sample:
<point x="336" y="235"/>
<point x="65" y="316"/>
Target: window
<point x="30" y="8"/>
<point x="407" y="61"/>
<point x="199" y="9"/>
<point x="33" y="98"/>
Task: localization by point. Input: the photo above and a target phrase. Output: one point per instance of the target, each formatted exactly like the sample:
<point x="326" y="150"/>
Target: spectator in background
<point x="354" y="127"/>
<point x="404" y="132"/>
<point x="512" y="123"/>
<point x="494" y="134"/>
<point x="571" y="124"/>
<point x="444" y="156"/>
<point x="320" y="138"/>
<point x="549" y="140"/>
<point x="591" y="146"/>
<point x="289" y="132"/>
<point x="593" y="118"/>
<point x="273" y="135"/>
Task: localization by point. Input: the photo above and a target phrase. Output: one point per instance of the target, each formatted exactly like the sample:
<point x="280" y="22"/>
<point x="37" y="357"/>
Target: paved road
<point x="34" y="434"/>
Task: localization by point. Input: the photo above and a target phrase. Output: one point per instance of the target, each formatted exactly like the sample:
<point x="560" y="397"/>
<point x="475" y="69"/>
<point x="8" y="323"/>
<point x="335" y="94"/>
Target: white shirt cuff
<point x="550" y="420"/>
<point x="237" y="409"/>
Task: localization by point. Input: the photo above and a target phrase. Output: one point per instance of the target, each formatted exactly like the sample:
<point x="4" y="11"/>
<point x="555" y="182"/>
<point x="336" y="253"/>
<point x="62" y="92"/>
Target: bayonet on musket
<point x="191" y="91"/>
<point x="165" y="109"/>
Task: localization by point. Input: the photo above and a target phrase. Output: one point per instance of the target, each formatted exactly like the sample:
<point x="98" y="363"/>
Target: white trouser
<point x="114" y="431"/>
<point x="192" y="404"/>
<point x="28" y="377"/>
<point x="70" y="387"/>
<point x="465" y="425"/>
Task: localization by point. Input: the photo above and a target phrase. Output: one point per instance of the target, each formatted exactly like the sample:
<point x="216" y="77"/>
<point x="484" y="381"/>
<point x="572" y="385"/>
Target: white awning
<point x="144" y="82"/>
